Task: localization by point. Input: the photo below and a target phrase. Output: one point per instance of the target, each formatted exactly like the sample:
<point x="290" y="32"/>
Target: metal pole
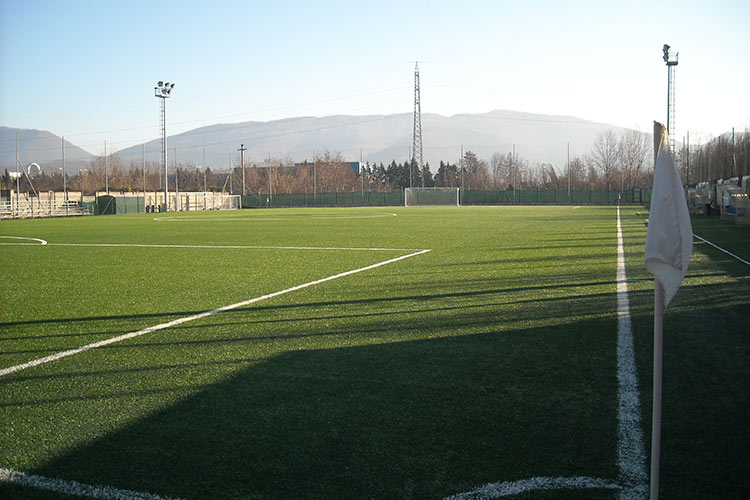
<point x="362" y="174"/>
<point x="242" y="162"/>
<point x="315" y="182"/>
<point x="18" y="182"/>
<point x="568" y="163"/>
<point x="65" y="184"/>
<point x="106" y="169"/>
<point x="734" y="159"/>
<point x="143" y="162"/>
<point x="164" y="151"/>
<point x="688" y="157"/>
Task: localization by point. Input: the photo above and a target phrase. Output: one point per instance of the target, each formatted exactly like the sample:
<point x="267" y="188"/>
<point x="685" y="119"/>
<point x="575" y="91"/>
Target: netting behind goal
<point x="206" y="201"/>
<point x="431" y="196"/>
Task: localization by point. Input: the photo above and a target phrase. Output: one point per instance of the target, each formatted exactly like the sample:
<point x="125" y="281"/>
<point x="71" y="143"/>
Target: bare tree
<point x="636" y="154"/>
<point x="604" y="156"/>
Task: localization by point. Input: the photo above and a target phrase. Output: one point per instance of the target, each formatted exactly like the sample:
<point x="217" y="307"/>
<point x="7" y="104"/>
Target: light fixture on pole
<point x="163" y="90"/>
<point x="671" y="59"/>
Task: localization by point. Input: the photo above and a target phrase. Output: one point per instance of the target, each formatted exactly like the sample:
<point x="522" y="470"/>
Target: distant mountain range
<point x="378" y="138"/>
<point x="41" y="147"/>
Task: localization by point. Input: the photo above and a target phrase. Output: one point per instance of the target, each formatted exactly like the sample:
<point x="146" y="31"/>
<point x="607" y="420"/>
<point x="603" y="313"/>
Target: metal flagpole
<point x="656" y="411"/>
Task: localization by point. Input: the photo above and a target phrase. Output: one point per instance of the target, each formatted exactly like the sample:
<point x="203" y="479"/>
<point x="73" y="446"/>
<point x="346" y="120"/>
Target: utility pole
<point x="143" y="163"/>
<point x="687" y="157"/>
<point x="417" y="159"/>
<point x="568" y="164"/>
<point x="734" y="158"/>
<point x="18" y="182"/>
<point x="461" y="164"/>
<point x="242" y="162"/>
<point x="106" y="169"/>
<point x="362" y="174"/>
<point x="315" y="182"/>
<point x="65" y="184"/>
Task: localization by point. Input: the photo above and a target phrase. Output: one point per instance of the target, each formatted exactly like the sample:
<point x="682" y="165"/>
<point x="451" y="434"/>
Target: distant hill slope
<point x="379" y="138"/>
<point x="382" y="138"/>
<point x="41" y="147"/>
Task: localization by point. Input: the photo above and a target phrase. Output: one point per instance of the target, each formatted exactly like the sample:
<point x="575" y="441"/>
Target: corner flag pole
<point x="658" y="347"/>
<point x="669" y="243"/>
<point x="656" y="411"/>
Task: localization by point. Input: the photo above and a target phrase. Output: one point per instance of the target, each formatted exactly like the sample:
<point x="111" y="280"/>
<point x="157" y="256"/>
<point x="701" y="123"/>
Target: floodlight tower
<point x="671" y="59"/>
<point x="163" y="91"/>
<point x="416" y="149"/>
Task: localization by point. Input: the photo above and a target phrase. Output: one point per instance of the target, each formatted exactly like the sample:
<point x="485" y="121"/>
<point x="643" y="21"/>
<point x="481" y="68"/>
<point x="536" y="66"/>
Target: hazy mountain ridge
<point x="537" y="138"/>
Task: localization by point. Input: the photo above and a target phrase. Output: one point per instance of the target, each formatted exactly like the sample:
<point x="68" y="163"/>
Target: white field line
<point x="508" y="488"/>
<point x="631" y="455"/>
<point x="719" y="248"/>
<point x="40" y="242"/>
<point x="158" y="245"/>
<point x="186" y="218"/>
<point x="75" y="488"/>
<point x="237" y="247"/>
<point x="102" y="343"/>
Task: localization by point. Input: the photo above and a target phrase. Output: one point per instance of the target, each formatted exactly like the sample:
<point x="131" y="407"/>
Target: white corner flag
<point x="669" y="243"/>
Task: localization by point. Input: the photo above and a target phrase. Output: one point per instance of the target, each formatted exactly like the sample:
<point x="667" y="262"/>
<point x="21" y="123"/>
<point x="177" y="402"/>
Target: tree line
<point x="615" y="162"/>
<point x="719" y="158"/>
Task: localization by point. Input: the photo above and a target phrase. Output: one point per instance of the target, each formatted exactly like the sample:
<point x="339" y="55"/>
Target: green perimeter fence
<point x="636" y="196"/>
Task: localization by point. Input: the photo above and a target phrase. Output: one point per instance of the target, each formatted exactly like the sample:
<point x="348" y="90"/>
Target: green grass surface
<point x="491" y="358"/>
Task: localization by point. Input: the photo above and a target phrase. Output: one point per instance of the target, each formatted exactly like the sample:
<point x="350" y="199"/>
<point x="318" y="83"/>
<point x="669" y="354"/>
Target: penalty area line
<point x="162" y="326"/>
<point x="75" y="488"/>
<point x="509" y="488"/>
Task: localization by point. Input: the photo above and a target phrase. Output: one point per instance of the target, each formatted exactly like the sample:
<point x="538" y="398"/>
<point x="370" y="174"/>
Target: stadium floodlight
<point x="163" y="91"/>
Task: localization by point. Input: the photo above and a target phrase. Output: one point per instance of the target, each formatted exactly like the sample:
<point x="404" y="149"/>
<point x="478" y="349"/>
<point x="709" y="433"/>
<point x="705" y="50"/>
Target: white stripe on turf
<point x="719" y="248"/>
<point x="212" y="247"/>
<point x="78" y="350"/>
<point x="9" y="476"/>
<point x="631" y="455"/>
<point x="508" y="488"/>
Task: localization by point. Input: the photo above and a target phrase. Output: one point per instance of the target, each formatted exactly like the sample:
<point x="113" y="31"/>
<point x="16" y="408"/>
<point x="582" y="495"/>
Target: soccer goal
<point x="207" y="201"/>
<point x="431" y="196"/>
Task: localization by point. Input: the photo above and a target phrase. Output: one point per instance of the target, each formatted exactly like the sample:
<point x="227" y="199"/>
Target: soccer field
<point x="365" y="353"/>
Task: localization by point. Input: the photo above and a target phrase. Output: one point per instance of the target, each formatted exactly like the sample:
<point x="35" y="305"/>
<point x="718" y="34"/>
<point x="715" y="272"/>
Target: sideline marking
<point x="631" y="453"/>
<point x="74" y="487"/>
<point x="183" y="218"/>
<point x="719" y="248"/>
<point x="508" y="488"/>
<point x="236" y="247"/>
<point x="42" y="242"/>
<point x="179" y="321"/>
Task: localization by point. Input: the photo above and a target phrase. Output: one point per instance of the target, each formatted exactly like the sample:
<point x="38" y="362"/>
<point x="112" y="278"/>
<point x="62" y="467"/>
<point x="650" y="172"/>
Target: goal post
<point x="431" y="196"/>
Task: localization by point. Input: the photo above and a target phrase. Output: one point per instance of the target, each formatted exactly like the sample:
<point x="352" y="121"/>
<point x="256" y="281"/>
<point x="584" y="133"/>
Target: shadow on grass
<point x="415" y="419"/>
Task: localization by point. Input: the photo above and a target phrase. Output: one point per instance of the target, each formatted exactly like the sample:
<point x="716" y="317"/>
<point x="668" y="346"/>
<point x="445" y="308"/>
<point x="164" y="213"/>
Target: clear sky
<point x="86" y="69"/>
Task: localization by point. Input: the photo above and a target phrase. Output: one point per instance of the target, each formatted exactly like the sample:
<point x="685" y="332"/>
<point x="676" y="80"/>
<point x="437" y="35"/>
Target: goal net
<point x="207" y="201"/>
<point x="431" y="196"/>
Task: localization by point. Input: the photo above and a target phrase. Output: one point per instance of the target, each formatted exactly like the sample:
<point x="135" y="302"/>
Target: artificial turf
<point x="490" y="358"/>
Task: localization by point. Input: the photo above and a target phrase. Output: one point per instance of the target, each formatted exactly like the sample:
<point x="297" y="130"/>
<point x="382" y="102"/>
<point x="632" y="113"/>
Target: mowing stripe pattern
<point x="631" y="455"/>
<point x="78" y="350"/>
